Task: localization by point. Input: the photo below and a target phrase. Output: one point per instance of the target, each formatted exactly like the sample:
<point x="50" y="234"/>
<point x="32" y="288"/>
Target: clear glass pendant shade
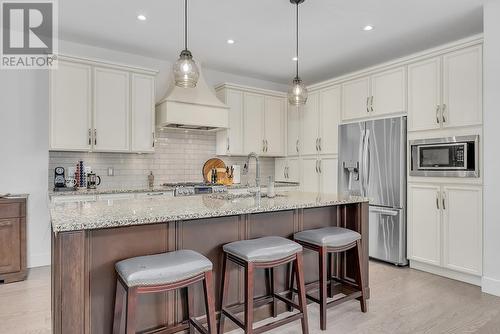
<point x="186" y="72"/>
<point x="297" y="93"/>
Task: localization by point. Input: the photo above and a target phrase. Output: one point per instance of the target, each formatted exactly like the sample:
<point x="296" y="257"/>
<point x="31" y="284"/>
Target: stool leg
<point x="130" y="324"/>
<point x="120" y="293"/>
<point x="361" y="283"/>
<point x="323" y="255"/>
<point x="301" y="287"/>
<point x="249" y="282"/>
<point x="208" y="288"/>
<point x="190" y="307"/>
<point x="224" y="291"/>
<point x="331" y="267"/>
<point x="270" y="290"/>
<point x="291" y="283"/>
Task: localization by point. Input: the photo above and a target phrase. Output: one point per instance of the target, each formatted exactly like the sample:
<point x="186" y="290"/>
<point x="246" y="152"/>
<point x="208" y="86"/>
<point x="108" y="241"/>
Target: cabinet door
<point x="462" y="87"/>
<point x="462" y="228"/>
<point x="310" y="177"/>
<point x="293" y="171"/>
<point x="293" y="133"/>
<point x="329" y="119"/>
<point x="10" y="246"/>
<point x="355" y="95"/>
<point x="328" y="170"/>
<point x="274" y="126"/>
<point x="424" y="228"/>
<point x="389" y="91"/>
<point x="111" y="110"/>
<point x="253" y="123"/>
<point x="309" y="125"/>
<point x="230" y="141"/>
<point x="142" y="113"/>
<point x="70" y="107"/>
<point x="424" y="95"/>
<point x="280" y="166"/>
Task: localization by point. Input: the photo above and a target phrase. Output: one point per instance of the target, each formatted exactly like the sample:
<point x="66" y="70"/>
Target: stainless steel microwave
<point x="445" y="157"/>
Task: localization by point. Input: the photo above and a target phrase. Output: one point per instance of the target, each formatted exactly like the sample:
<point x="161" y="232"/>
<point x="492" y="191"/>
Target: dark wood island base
<point x="84" y="278"/>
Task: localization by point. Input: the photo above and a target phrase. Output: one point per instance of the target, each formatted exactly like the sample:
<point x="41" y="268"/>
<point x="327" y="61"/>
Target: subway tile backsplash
<point x="179" y="157"/>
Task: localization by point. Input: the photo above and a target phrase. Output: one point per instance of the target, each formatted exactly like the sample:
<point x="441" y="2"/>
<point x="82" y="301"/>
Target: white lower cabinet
<point x="445" y="226"/>
<point x="319" y="174"/>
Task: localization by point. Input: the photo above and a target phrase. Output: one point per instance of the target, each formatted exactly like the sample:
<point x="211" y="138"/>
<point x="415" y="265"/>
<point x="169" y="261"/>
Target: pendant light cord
<point x="185" y="24"/>
<point x="297" y="40"/>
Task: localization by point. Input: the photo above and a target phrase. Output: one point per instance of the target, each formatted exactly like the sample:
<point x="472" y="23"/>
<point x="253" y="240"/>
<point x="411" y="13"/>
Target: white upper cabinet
<point x="424" y="223"/>
<point x="101" y="107"/>
<point x="424" y="95"/>
<point x="274" y="126"/>
<point x="293" y="129"/>
<point x="309" y="125"/>
<point x="253" y="121"/>
<point x="111" y="110"/>
<point x="230" y="141"/>
<point x="463" y="88"/>
<point x="329" y="119"/>
<point x="71" y="107"/>
<point x="356" y="98"/>
<point x="462" y="224"/>
<point x="446" y="91"/>
<point x="388" y="92"/>
<point x="379" y="94"/>
<point x="142" y="113"/>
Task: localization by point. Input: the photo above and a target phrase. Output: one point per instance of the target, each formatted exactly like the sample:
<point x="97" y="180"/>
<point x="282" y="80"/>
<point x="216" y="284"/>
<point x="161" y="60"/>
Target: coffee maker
<point x="59" y="179"/>
<point x="93" y="180"/>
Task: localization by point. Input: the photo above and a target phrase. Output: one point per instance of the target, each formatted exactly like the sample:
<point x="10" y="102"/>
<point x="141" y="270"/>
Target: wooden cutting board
<point x="213" y="163"/>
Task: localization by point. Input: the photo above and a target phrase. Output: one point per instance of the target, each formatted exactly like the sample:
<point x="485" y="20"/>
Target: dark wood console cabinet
<point x="13" y="238"/>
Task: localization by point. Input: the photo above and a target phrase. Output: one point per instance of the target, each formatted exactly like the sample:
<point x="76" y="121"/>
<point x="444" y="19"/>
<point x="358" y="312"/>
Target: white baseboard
<point x="463" y="277"/>
<point x="490" y="286"/>
<point x="39" y="260"/>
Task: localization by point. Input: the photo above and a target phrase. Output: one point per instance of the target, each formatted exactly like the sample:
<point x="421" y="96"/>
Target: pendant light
<point x="297" y="93"/>
<point x="186" y="72"/>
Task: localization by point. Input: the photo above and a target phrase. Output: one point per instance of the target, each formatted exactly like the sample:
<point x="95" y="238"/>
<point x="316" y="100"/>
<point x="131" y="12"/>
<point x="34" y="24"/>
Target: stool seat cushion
<point x="164" y="268"/>
<point x="263" y="249"/>
<point x="331" y="236"/>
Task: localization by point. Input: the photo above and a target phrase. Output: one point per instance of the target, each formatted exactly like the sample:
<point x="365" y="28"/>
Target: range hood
<point x="192" y="108"/>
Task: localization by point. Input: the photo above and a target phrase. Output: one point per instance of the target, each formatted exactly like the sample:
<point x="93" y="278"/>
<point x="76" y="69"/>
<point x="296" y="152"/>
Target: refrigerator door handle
<point x="366" y="160"/>
<point x="385" y="212"/>
<point x="360" y="159"/>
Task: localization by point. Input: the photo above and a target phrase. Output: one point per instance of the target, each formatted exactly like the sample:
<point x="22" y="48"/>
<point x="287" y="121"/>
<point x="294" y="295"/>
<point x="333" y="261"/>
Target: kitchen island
<point x="90" y="237"/>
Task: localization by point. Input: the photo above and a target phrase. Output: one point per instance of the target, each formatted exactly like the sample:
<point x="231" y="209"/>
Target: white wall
<point x="491" y="253"/>
<point x="24" y="99"/>
<point x="24" y="107"/>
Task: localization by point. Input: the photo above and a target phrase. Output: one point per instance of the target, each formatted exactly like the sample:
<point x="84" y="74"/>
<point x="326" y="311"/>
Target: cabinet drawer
<point x="10" y="246"/>
<point x="11" y="210"/>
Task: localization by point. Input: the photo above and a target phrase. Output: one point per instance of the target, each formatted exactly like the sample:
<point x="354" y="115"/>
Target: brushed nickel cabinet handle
<point x="227" y="141"/>
<point x="438" y="107"/>
<point x="267" y="145"/>
<point x="153" y="134"/>
<point x="319" y="141"/>
<point x="443" y="113"/>
<point x="284" y="172"/>
<point x="443" y="198"/>
<point x="95" y="137"/>
<point x="297" y="145"/>
<point x="368" y="104"/>
<point x="371" y="104"/>
<point x="263" y="145"/>
<point x="437" y="200"/>
<point x="90" y="137"/>
<point x="319" y="166"/>
<point x="317" y="171"/>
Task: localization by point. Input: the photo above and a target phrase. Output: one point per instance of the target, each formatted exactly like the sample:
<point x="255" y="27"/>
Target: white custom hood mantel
<point x="192" y="108"/>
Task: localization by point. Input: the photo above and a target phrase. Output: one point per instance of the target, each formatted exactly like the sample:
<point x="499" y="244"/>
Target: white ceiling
<point x="332" y="39"/>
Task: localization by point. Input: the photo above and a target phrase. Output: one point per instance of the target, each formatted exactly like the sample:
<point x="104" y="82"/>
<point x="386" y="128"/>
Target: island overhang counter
<point x="88" y="238"/>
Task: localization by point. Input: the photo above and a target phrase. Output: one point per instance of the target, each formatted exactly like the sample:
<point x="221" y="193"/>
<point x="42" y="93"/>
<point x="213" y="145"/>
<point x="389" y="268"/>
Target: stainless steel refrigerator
<point x="372" y="163"/>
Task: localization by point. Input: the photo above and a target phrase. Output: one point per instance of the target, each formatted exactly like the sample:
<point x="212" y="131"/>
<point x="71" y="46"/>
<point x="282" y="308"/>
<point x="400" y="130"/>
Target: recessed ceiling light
<point x="230" y="41"/>
<point x="141" y="17"/>
<point x="295" y="58"/>
<point x="368" y="28"/>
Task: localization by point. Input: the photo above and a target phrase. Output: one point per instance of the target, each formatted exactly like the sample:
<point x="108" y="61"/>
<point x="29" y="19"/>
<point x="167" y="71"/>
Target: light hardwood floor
<point x="402" y="301"/>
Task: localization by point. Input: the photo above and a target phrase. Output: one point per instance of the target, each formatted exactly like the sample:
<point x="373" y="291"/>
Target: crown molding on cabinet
<point x="106" y="63"/>
<point x="430" y="53"/>
<point x="249" y="89"/>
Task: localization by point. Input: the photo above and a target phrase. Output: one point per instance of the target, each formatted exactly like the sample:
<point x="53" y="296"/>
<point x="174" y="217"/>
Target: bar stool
<point x="160" y="273"/>
<point x="328" y="241"/>
<point x="263" y="253"/>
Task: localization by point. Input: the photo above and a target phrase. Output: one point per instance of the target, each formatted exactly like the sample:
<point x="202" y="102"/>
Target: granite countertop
<point x="99" y="214"/>
<point x="158" y="188"/>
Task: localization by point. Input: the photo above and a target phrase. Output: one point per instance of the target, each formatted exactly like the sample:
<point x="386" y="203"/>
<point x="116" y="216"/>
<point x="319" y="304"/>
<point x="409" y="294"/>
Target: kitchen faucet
<point x="257" y="166"/>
